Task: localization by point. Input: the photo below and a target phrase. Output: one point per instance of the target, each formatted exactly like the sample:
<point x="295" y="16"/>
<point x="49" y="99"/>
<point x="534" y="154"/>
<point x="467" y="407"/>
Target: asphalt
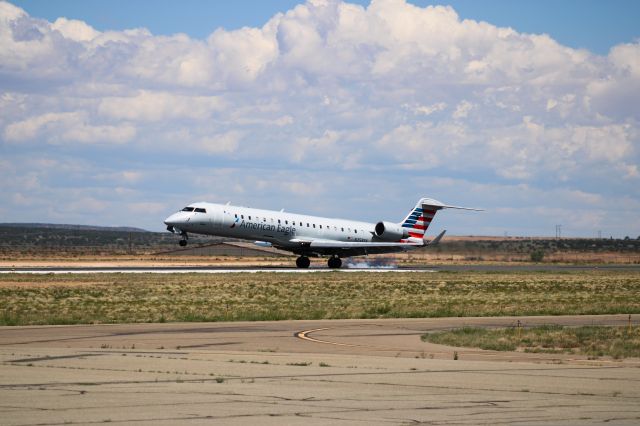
<point x="543" y="267"/>
<point x="303" y="372"/>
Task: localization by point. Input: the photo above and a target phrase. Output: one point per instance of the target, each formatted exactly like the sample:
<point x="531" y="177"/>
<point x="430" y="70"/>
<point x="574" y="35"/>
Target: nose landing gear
<point x="184" y="240"/>
<point x="334" y="262"/>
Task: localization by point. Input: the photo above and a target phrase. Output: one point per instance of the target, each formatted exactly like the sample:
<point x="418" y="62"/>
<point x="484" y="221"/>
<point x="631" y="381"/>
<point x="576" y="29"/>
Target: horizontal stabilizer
<point x="435" y="204"/>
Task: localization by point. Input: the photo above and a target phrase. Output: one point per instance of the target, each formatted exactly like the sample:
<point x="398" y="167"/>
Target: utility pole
<point x="558" y="232"/>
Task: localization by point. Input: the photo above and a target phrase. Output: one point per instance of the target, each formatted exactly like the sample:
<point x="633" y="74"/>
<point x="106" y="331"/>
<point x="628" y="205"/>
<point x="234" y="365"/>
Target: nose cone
<point x="172" y="220"/>
<point x="177" y="221"/>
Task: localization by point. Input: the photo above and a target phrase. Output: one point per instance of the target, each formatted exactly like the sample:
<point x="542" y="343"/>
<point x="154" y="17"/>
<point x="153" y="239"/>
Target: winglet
<point x="437" y="239"/>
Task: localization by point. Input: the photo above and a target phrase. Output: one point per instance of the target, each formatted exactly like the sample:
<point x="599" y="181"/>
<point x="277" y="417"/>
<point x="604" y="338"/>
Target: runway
<point x="242" y="269"/>
<point x="303" y="372"/>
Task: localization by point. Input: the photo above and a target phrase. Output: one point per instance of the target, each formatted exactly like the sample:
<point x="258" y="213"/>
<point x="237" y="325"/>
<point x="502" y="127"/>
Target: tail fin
<point x="419" y="219"/>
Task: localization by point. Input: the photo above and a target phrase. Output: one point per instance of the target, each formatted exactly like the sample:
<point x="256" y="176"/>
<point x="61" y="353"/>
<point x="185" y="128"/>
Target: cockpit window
<point x="187" y="209"/>
<point x="199" y="210"/>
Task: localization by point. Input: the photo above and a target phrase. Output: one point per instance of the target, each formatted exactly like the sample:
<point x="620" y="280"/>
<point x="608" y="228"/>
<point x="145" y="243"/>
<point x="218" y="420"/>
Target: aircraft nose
<point x="171" y="220"/>
<point x="175" y="220"/>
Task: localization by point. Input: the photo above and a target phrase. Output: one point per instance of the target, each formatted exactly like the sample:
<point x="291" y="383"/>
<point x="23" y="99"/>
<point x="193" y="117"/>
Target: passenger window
<point x="241" y="216"/>
<point x="236" y="216"/>
<point x="300" y="223"/>
<point x="249" y="217"/>
<point x="320" y="226"/>
<point x="286" y="222"/>
<point x="355" y="230"/>
<point x="342" y="229"/>
<point x="314" y="225"/>
<point x="278" y="221"/>
<point x="307" y="224"/>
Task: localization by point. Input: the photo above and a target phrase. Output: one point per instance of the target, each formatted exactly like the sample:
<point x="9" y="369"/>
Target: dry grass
<point x="617" y="342"/>
<point x="119" y="298"/>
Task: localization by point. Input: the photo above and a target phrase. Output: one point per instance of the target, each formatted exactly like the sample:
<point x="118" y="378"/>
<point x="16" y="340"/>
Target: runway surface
<point x="303" y="372"/>
<point x="228" y="270"/>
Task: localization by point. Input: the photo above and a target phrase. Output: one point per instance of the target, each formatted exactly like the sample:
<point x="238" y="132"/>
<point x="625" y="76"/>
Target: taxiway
<point x="303" y="372"/>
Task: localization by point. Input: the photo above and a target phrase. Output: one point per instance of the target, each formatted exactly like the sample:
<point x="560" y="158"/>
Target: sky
<point x="121" y="112"/>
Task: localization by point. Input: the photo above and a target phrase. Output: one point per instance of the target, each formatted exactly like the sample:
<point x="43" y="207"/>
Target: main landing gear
<point x="303" y="262"/>
<point x="334" y="262"/>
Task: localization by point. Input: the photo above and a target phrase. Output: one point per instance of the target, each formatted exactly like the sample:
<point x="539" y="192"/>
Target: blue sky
<point x="348" y="109"/>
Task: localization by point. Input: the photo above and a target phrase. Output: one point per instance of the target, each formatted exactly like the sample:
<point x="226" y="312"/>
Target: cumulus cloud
<point x="158" y="106"/>
<point x="391" y="89"/>
<point x="221" y="143"/>
<point x="67" y="127"/>
<point x="75" y="30"/>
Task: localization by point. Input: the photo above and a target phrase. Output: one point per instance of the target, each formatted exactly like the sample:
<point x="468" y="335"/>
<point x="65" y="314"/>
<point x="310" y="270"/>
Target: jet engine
<point x="388" y="231"/>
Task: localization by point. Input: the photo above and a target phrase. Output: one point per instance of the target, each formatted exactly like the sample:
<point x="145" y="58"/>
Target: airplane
<point x="309" y="236"/>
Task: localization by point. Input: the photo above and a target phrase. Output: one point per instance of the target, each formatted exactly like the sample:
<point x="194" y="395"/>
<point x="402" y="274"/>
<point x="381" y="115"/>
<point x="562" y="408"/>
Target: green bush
<point x="537" y="256"/>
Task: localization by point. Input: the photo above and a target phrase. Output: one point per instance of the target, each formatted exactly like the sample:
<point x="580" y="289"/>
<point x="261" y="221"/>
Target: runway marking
<point x="304" y="335"/>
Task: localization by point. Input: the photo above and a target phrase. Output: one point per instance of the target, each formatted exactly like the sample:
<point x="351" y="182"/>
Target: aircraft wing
<point x="355" y="248"/>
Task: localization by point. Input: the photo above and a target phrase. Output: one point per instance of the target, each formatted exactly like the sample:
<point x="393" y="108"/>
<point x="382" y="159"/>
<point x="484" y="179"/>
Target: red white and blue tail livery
<point x="418" y="220"/>
<point x="309" y="235"/>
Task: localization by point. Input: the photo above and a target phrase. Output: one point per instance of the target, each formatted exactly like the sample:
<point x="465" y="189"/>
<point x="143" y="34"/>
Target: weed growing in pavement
<point x="592" y="341"/>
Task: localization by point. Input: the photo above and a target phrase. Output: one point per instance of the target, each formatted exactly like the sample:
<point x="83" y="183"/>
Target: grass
<point x="125" y="298"/>
<point x="596" y="341"/>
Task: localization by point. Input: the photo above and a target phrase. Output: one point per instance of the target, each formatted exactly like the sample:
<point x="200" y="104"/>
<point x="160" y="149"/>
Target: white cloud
<point x="67" y="127"/>
<point x="159" y="106"/>
<point x="429" y="109"/>
<point x="221" y="143"/>
<point x="325" y="146"/>
<point x="75" y="30"/>
<point x="392" y="89"/>
<point x="462" y="110"/>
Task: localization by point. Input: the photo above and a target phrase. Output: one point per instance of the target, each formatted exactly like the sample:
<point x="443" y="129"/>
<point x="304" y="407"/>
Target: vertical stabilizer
<point x="418" y="220"/>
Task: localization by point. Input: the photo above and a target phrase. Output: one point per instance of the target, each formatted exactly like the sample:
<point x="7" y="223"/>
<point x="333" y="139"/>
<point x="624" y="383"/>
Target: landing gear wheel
<point x="303" y="262"/>
<point x="334" y="262"/>
<point x="183" y="243"/>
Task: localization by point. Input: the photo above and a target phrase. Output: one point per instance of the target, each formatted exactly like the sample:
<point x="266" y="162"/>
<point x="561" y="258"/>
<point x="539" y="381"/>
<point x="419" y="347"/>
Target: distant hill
<point x="59" y="238"/>
<point x="73" y="227"/>
<point x="65" y="238"/>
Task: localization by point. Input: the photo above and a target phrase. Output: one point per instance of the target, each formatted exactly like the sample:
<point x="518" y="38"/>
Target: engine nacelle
<point x="388" y="231"/>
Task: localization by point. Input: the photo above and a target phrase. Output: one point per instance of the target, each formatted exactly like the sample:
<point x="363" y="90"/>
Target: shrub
<point x="537" y="256"/>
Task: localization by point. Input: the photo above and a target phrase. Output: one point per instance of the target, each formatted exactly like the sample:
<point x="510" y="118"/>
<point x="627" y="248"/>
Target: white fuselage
<point x="276" y="227"/>
<point x="307" y="235"/>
